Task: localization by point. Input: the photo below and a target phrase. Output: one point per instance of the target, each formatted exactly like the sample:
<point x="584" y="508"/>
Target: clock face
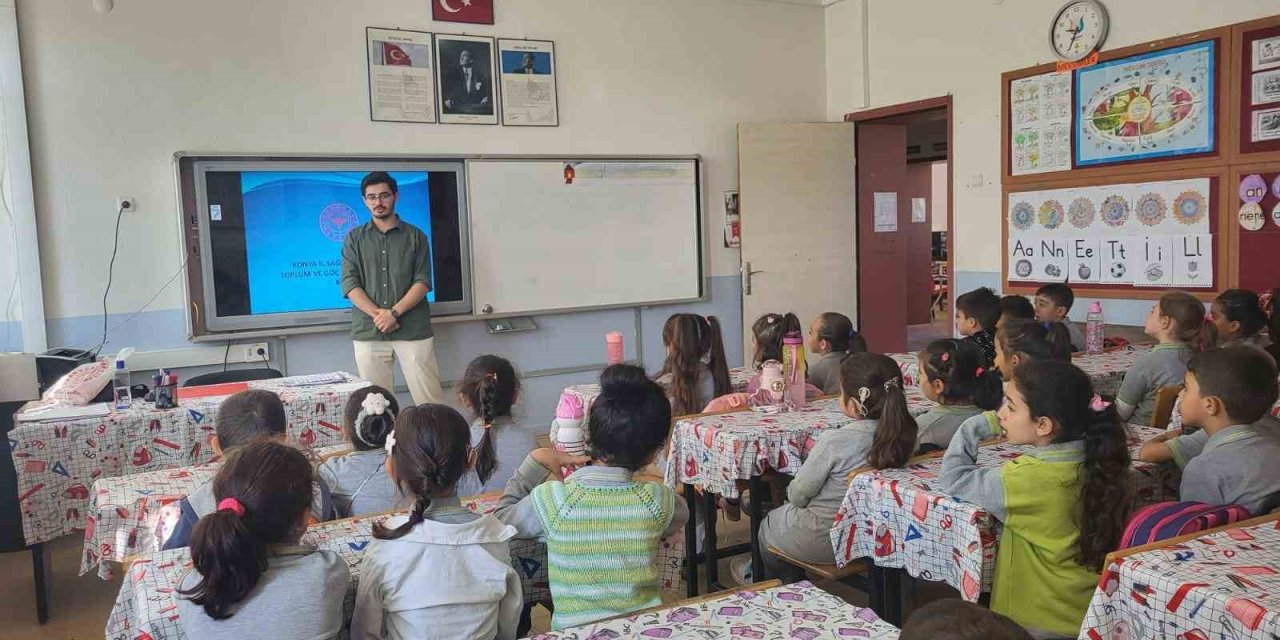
<point x="1079" y="29"/>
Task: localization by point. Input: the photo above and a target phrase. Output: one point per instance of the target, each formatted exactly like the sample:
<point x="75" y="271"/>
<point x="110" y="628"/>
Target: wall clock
<point x="1078" y="29"/>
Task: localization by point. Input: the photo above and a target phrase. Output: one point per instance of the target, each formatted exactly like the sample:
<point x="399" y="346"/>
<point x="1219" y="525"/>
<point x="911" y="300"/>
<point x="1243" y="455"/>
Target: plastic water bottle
<point x="120" y="383"/>
<point x="1095" y="329"/>
<point x="613" y="347"/>
<point x="793" y="367"/>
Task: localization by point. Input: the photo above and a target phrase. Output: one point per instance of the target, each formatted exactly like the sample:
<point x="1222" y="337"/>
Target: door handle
<point x="746" y="278"/>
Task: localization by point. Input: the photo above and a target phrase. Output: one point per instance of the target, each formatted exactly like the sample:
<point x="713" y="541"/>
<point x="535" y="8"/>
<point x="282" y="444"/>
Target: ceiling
<point x="809" y="3"/>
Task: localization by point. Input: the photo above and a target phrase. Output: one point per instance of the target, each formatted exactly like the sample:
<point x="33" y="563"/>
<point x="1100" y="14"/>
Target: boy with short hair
<point x="243" y="418"/>
<point x="1228" y="391"/>
<point x="955" y="619"/>
<point x="1053" y="304"/>
<point x="977" y="313"/>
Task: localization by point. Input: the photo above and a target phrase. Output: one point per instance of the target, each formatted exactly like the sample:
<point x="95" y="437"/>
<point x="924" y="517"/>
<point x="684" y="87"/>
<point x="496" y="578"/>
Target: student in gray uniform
<point x="488" y="389"/>
<point x="1177" y="322"/>
<point x="1239" y="320"/>
<point x="882" y="436"/>
<point x="832" y="337"/>
<point x="1053" y="304"/>
<point x="952" y="375"/>
<point x="442" y="571"/>
<point x="358" y="480"/>
<point x="250" y="577"/>
<point x="1228" y="391"/>
<point x="246" y="417"/>
<point x="695" y="371"/>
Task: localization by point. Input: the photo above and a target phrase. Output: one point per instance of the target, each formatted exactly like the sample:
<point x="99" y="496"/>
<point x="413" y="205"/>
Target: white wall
<point x="112" y="97"/>
<point x="927" y="48"/>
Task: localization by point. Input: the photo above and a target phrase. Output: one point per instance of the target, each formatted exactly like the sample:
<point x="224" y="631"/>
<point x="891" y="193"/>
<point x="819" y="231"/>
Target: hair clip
<point x="232" y="505"/>
<point x="891" y="383"/>
<point x="863" y="394"/>
<point x="491" y="376"/>
<point x="1097" y="404"/>
<point x="979" y="372"/>
<point x="946" y="356"/>
<point x="374" y="404"/>
<point x="771" y="319"/>
<point x="391" y="442"/>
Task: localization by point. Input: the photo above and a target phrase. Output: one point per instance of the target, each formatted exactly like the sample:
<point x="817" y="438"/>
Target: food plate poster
<point x="1152" y="105"/>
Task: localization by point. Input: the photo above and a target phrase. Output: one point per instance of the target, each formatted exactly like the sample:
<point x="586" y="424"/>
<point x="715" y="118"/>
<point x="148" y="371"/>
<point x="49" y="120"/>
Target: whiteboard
<point x="561" y="234"/>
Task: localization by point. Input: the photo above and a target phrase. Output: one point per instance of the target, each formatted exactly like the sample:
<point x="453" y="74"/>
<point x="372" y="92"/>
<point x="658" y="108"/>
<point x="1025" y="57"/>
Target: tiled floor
<point x="80" y="605"/>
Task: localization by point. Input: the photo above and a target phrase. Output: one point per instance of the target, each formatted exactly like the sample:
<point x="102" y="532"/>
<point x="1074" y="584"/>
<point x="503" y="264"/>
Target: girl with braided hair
<point x="489" y="389"/>
<point x="442" y="571"/>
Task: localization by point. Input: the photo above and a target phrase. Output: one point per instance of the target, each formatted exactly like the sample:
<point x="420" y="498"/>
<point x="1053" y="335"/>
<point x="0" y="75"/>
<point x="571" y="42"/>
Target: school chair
<point x="333" y="454"/>
<point x="1165" y="399"/>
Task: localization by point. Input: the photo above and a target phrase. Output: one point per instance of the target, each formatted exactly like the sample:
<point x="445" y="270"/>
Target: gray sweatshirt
<point x="511" y="442"/>
<point x="941" y="423"/>
<point x="1236" y="466"/>
<point x="825" y="374"/>
<point x="300" y="596"/>
<point x="359" y="483"/>
<point x="449" y="577"/>
<point x="822" y="481"/>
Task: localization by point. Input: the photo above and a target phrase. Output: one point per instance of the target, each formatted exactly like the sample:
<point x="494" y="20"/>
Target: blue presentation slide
<point x="294" y="225"/>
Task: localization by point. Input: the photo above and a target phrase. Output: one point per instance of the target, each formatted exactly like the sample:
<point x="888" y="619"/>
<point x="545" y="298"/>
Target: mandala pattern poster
<point x="1152" y="105"/>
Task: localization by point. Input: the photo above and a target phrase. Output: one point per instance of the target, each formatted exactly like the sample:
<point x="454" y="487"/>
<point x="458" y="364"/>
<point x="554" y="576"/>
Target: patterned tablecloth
<point x="715" y="451"/>
<point x="897" y="518"/>
<point x="57" y="461"/>
<point x="798" y="610"/>
<point x="1106" y="370"/>
<point x="124" y="512"/>
<point x="1222" y="585"/>
<point x="146" y="608"/>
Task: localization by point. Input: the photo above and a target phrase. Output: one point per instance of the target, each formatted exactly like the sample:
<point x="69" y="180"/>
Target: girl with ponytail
<point x="358" y="480"/>
<point x="489" y="389"/>
<point x="442" y="571"/>
<point x="1064" y="503"/>
<point x="1178" y="323"/>
<point x="952" y="374"/>
<point x="696" y="370"/>
<point x="882" y="435"/>
<point x="264" y="494"/>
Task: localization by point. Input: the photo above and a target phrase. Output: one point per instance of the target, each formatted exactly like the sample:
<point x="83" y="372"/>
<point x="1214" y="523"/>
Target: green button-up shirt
<point x="385" y="265"/>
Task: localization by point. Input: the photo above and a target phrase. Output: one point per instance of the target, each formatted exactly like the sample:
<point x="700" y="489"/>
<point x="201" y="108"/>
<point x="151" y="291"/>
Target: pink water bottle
<point x="793" y="366"/>
<point x="613" y="347"/>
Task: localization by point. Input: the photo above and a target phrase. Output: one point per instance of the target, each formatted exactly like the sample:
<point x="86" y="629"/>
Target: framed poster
<point x="1152" y="105"/>
<point x="1040" y="123"/>
<point x="528" y="83"/>
<point x="401" y="78"/>
<point x="465" y="69"/>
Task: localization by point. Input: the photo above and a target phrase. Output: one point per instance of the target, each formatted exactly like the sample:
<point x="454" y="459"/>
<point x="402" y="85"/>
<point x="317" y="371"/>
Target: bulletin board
<point x="1123" y="178"/>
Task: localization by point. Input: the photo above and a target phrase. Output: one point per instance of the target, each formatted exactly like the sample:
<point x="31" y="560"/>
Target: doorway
<point x="903" y="160"/>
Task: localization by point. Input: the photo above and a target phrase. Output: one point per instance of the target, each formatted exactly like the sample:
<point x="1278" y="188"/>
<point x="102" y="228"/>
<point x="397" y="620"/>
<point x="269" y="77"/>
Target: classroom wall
<point x="112" y="97"/>
<point x="961" y="49"/>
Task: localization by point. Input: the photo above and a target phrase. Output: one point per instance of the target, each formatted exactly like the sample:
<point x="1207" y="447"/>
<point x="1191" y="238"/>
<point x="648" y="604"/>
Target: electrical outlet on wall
<point x="255" y="352"/>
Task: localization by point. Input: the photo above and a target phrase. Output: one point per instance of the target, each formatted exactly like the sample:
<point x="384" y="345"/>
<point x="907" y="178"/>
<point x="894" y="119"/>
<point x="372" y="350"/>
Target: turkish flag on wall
<point x="472" y="11"/>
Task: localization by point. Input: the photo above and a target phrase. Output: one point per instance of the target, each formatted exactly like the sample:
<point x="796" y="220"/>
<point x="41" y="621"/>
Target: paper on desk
<point x="39" y="412"/>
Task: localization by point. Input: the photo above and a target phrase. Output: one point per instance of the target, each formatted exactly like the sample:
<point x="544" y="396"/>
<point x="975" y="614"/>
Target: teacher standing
<point x="386" y="274"/>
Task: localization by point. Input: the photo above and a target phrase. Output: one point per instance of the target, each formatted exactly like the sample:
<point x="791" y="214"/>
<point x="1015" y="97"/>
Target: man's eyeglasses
<point x="374" y="197"/>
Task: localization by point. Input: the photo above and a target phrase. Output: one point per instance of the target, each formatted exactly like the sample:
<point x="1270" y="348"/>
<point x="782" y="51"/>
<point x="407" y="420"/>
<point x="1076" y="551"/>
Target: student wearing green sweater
<point x="602" y="525"/>
<point x="1064" y="504"/>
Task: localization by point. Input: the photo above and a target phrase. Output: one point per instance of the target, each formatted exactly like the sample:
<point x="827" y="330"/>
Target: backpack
<point x="1164" y="520"/>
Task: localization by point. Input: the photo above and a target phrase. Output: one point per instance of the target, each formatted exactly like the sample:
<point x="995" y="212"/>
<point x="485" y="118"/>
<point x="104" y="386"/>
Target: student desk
<point x="146" y="604"/>
<point x="1106" y="370"/>
<point x="1221" y="583"/>
<point x="125" y="511"/>
<point x="716" y="451"/>
<point x="738" y="379"/>
<point x="57" y="461"/>
<point x="798" y="610"/>
<point x="900" y="519"/>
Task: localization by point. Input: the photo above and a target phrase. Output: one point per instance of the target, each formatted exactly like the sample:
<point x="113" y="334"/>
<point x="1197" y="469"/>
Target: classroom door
<point x="799" y="244"/>
<point x="882" y="260"/>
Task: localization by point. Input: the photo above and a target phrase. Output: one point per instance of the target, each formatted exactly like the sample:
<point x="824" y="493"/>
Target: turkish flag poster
<point x="471" y="11"/>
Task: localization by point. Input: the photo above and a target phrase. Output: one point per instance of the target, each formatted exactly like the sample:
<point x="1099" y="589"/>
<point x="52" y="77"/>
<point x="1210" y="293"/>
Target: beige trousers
<point x="417" y="362"/>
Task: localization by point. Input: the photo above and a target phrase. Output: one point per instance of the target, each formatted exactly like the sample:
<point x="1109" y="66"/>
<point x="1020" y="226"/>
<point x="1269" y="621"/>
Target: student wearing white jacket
<point x="442" y="571"/>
